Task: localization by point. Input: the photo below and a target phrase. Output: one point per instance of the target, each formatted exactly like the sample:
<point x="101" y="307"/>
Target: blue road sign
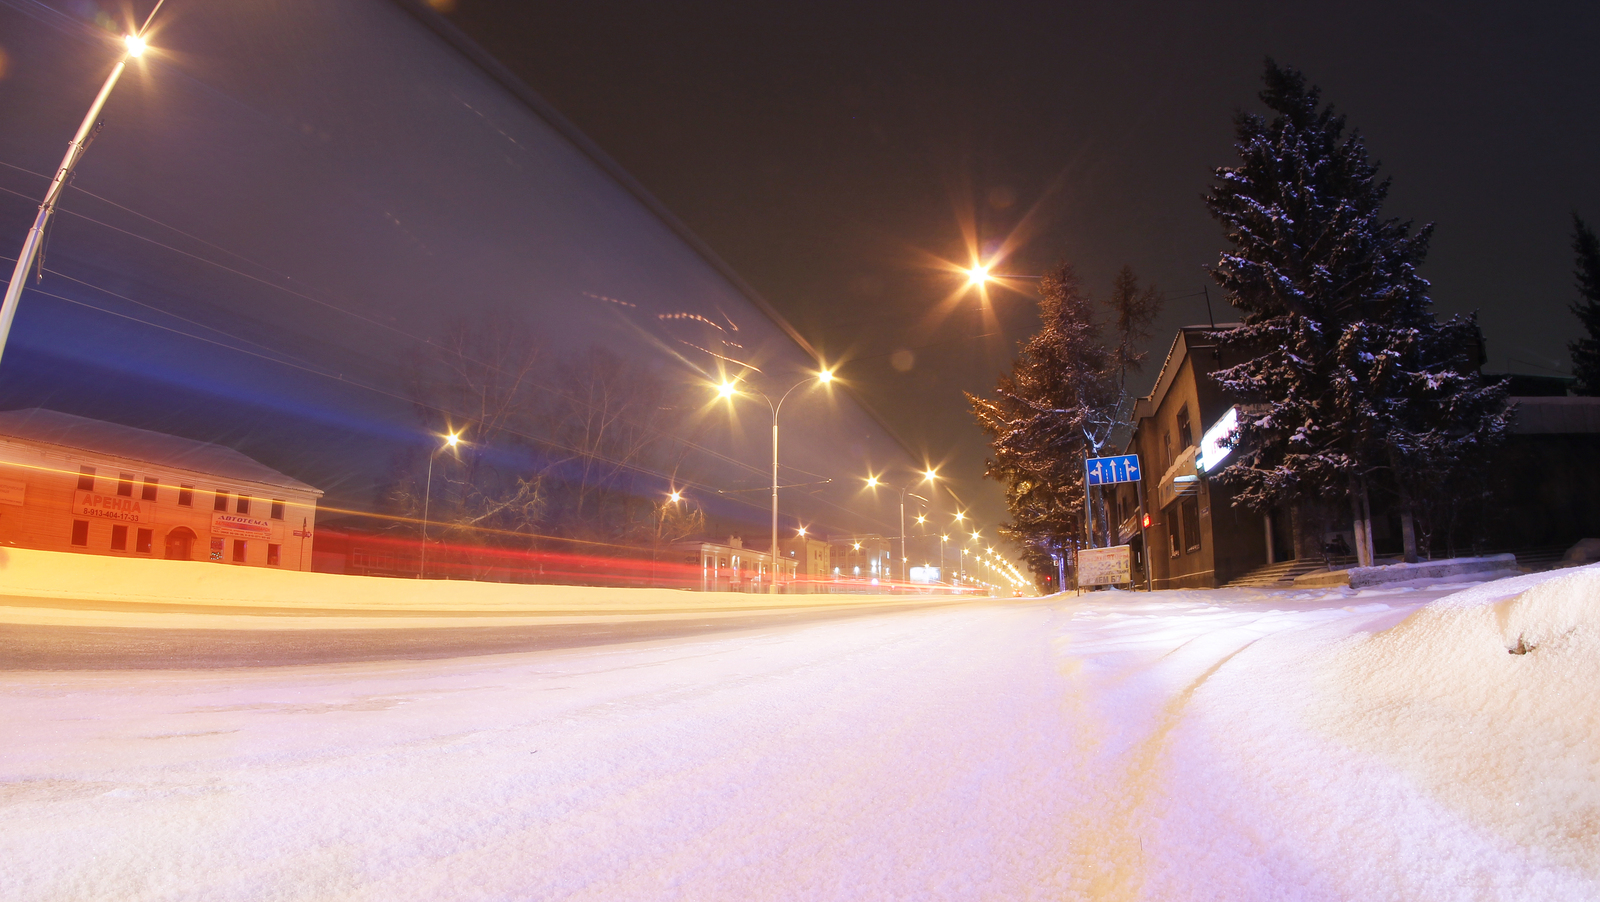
<point x="1107" y="470"/>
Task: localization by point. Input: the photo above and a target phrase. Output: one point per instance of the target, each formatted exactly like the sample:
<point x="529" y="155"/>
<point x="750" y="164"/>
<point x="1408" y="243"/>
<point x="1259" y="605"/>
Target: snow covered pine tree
<point x="1358" y="388"/>
<point x="1065" y="396"/>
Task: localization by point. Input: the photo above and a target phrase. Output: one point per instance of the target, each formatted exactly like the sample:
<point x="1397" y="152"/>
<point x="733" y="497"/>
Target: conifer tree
<point x="1586" y="349"/>
<point x="1352" y="379"/>
<point x="1065" y="396"/>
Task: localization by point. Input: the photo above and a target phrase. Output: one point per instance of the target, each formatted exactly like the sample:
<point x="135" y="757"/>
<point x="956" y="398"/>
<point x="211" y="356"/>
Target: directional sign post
<point x="1110" y="471"/>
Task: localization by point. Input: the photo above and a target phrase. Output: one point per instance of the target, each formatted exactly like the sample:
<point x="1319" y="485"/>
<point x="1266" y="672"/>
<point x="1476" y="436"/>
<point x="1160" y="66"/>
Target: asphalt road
<point x="36" y="648"/>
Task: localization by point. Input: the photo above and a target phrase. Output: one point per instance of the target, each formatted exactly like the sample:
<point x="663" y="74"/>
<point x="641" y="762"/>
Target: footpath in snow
<point x="1181" y="745"/>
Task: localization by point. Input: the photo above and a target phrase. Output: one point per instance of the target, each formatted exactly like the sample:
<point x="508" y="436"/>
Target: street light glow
<point x="872" y="482"/>
<point x="453" y="439"/>
<point x="930" y="475"/>
<point x="135" y="44"/>
<point x="977" y="275"/>
<point x="726" y="389"/>
<point x="825" y="376"/>
<point x="801" y="531"/>
<point x="675" y="497"/>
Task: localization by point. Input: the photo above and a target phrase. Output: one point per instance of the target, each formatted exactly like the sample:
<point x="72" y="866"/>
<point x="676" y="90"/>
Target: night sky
<point x="833" y="154"/>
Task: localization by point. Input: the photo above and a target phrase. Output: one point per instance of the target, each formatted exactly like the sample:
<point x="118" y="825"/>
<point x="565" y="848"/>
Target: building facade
<point x="69" y="483"/>
<point x="1196" y="537"/>
<point x="812" y="560"/>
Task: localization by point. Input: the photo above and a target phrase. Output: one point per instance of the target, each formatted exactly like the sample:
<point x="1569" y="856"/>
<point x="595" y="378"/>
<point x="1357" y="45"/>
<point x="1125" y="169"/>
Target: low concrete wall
<point x="1362" y="577"/>
<point x="28" y="573"/>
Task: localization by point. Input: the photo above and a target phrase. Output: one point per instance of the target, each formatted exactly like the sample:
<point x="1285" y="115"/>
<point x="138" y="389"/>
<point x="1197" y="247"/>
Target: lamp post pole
<point x="135" y="46"/>
<point x="728" y="390"/>
<point x="450" y="441"/>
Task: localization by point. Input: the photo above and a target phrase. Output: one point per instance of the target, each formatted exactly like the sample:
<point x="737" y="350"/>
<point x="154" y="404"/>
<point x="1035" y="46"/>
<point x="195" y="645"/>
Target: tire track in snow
<point x="1108" y="857"/>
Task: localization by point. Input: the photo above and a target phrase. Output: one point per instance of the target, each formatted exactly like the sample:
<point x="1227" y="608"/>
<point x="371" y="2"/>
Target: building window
<point x="86" y="479"/>
<point x="221" y="504"/>
<point x="119" y="537"/>
<point x="238" y="551"/>
<point x="125" y="485"/>
<point x="1185" y="431"/>
<point x="244" y="505"/>
<point x="277" y="509"/>
<point x="1190" y="508"/>
<point x="1166" y="451"/>
<point x="186" y="496"/>
<point x="141" y="542"/>
<point x="80" y="531"/>
<point x="272" y="555"/>
<point x="149" y="491"/>
<point x="1174" y="540"/>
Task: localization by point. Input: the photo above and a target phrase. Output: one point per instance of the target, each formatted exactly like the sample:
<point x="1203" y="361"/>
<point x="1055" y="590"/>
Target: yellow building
<point x="68" y="483"/>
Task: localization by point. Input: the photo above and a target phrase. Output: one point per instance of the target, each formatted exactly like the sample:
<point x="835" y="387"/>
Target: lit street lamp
<point x="727" y="390"/>
<point x="133" y="47"/>
<point x="450" y="443"/>
<point x="927" y="476"/>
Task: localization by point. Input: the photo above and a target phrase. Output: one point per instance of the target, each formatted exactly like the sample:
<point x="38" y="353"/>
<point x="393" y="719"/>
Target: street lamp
<point x="942" y="540"/>
<point x="450" y="442"/>
<point x="133" y="48"/>
<point x="727" y="390"/>
<point x="927" y="476"/>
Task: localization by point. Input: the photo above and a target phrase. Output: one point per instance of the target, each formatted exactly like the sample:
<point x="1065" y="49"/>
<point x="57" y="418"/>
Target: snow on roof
<point x="1145" y="406"/>
<point x="51" y="427"/>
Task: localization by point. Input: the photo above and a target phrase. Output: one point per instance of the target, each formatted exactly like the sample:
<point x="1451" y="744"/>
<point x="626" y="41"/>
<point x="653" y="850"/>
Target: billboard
<point x="1105" y="566"/>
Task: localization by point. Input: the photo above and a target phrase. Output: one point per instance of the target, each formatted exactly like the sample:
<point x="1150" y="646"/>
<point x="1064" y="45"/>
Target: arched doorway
<point x="180" y="544"/>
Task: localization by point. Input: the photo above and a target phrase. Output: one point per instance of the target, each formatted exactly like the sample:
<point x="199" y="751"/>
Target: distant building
<point x="1546" y="483"/>
<point x="861" y="558"/>
<point x="812" y="560"/>
<point x="68" y="483"/>
<point x="731" y="567"/>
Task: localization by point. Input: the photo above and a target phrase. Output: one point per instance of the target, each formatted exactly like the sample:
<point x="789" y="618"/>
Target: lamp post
<point x="134" y="47"/>
<point x="927" y="476"/>
<point x="450" y="442"/>
<point x="942" y="540"/>
<point x="730" y="388"/>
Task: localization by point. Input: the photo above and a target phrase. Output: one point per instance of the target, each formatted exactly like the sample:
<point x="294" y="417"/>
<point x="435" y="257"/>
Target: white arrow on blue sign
<point x="1108" y="470"/>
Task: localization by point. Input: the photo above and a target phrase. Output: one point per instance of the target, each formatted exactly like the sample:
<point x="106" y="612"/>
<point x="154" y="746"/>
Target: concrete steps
<point x="1281" y="575"/>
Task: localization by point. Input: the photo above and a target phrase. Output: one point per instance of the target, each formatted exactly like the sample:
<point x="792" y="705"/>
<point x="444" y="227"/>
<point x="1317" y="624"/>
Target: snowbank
<point x="1487" y="699"/>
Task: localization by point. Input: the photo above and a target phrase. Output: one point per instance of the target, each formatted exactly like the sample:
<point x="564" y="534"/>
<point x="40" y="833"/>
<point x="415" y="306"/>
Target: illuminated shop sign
<point x="1213" y="445"/>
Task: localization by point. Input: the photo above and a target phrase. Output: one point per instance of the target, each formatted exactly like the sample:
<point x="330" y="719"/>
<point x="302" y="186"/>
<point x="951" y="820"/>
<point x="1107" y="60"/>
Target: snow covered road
<point x="1185" y="745"/>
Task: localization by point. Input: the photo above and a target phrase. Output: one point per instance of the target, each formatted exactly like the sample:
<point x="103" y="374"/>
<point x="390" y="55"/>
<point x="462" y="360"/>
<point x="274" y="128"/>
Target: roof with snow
<point x="50" y="427"/>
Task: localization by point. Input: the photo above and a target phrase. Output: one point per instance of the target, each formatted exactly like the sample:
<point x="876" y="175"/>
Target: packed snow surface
<point x="1182" y="745"/>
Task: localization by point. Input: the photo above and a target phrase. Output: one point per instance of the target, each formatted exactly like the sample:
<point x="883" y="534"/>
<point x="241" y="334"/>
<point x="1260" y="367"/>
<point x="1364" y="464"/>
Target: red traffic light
<point x="1146" y="521"/>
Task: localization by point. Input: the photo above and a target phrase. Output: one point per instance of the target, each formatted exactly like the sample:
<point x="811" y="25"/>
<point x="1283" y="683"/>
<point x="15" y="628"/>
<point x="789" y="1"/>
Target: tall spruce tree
<point x="1352" y="382"/>
<point x="1061" y="403"/>
<point x="1586" y="349"/>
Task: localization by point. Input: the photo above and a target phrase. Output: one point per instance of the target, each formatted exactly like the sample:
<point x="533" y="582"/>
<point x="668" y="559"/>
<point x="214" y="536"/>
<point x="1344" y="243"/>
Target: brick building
<point x="68" y="483"/>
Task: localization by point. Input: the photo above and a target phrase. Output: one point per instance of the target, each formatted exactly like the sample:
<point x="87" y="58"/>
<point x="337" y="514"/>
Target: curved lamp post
<point x="134" y="47"/>
<point x="730" y="388"/>
<point x="451" y="441"/>
<point x="874" y="482"/>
